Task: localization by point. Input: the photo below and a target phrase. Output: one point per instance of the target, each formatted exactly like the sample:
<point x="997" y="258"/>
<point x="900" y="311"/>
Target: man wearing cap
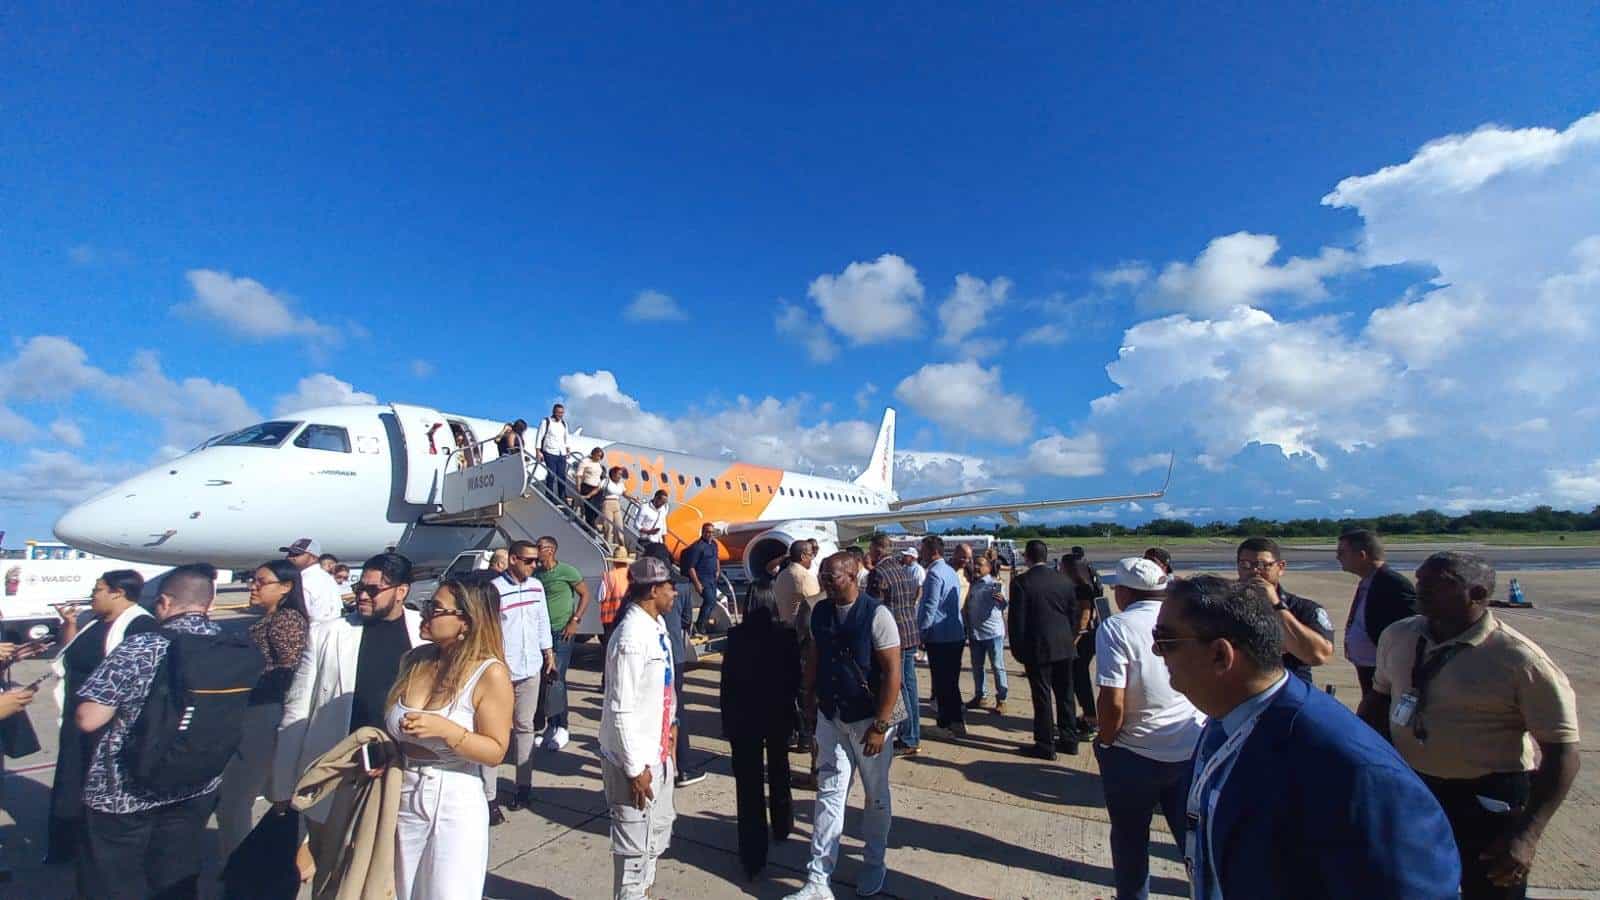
<point x="324" y="597"/>
<point x="1148" y="730"/>
<point x="638" y="729"/>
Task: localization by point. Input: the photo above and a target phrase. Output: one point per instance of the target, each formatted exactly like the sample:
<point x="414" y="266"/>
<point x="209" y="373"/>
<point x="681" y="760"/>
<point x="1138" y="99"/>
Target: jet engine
<point x="774" y="543"/>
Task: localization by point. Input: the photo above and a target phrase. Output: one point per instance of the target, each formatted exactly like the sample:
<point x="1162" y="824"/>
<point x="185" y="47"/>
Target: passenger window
<point x="697" y="482"/>
<point x="644" y="474"/>
<point x="681" y="482"/>
<point x="324" y="437"/>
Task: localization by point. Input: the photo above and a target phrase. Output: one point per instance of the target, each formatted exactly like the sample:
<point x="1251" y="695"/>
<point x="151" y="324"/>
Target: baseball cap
<point x="909" y="551"/>
<point x="1140" y="574"/>
<point x="648" y="570"/>
<point x="302" y="545"/>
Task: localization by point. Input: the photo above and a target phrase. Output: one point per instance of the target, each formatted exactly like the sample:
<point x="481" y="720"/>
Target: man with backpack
<point x="174" y="700"/>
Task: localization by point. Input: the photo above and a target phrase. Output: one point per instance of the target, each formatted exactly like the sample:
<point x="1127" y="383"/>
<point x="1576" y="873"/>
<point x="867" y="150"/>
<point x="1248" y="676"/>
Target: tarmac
<point x="971" y="818"/>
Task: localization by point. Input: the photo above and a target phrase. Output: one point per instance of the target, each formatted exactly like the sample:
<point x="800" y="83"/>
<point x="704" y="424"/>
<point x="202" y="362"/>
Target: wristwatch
<point x="1280" y="606"/>
<point x="880" y="726"/>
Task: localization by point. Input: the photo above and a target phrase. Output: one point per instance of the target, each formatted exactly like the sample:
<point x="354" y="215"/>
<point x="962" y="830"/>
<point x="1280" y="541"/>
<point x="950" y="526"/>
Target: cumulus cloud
<point x="14" y="428"/>
<point x="865" y="394"/>
<point x="794" y="323"/>
<point x="595" y="401"/>
<point x="1047" y="335"/>
<point x="971" y="304"/>
<point x="967" y="398"/>
<point x="1068" y="457"/>
<point x="55" y="477"/>
<point x="1141" y="464"/>
<point x="870" y="302"/>
<point x="248" y="309"/>
<point x="1580" y="486"/>
<point x="319" y="390"/>
<point x="1238" y="269"/>
<point x="67" y="432"/>
<point x="653" y="306"/>
<point x="421" y="368"/>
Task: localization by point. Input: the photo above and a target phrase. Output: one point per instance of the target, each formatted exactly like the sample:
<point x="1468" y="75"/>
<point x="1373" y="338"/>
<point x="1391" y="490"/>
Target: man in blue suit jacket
<point x="1293" y="795"/>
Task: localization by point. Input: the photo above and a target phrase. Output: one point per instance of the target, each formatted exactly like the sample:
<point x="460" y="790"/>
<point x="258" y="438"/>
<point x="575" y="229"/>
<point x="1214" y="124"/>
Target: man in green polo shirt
<point x="566" y="597"/>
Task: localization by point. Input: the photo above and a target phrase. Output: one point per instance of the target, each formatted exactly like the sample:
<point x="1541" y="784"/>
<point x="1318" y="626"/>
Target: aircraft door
<point x="428" y="443"/>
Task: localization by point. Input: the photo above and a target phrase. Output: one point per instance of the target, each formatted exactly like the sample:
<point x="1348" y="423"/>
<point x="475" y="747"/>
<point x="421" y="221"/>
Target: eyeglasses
<point x="256" y="582"/>
<point x="1257" y="565"/>
<point x="370" y="590"/>
<point x="430" y="612"/>
<point x="1164" y="644"/>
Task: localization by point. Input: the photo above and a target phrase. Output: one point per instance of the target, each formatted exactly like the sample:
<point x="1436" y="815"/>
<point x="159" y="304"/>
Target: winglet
<point x="879" y="473"/>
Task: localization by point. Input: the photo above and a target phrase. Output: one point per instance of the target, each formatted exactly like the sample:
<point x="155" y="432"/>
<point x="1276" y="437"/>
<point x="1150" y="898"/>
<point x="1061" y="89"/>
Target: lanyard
<point x="1197" y="793"/>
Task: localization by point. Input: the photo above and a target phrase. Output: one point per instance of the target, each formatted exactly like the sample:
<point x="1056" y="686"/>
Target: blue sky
<point x="218" y="210"/>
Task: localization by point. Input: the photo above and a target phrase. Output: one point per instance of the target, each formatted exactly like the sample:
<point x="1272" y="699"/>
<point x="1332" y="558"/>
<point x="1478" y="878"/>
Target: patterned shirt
<point x="124" y="681"/>
<point x="281" y="638"/>
<point x="897" y="585"/>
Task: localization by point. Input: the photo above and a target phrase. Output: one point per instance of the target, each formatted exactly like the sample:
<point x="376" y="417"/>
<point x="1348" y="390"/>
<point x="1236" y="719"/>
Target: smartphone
<point x="40" y="681"/>
<point x="367" y="762"/>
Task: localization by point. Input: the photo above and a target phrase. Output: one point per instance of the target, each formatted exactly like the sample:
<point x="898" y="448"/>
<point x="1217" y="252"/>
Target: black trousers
<point x="1476" y="828"/>
<point x="944" y="667"/>
<point x="757" y="799"/>
<point x="1083" y="674"/>
<point x="1053" y="714"/>
<point x="156" y="853"/>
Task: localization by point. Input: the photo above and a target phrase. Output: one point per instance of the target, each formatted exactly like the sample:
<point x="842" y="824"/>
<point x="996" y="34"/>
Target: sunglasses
<point x="430" y="612"/>
<point x="369" y="590"/>
<point x="1164" y="644"/>
<point x="1257" y="565"/>
<point x="529" y="560"/>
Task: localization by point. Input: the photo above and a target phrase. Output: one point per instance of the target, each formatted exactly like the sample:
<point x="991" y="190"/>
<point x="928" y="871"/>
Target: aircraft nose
<point x="87" y="526"/>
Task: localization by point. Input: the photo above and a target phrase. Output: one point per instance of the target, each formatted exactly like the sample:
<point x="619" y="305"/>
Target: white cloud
<point x="595" y="401"/>
<point x="1578" y="486"/>
<point x="247" y="308"/>
<point x="970" y="305"/>
<point x="1047" y="335"/>
<point x="871" y="302"/>
<point x="320" y="390"/>
<point x="421" y="368"/>
<point x="865" y="394"/>
<point x="67" y="432"/>
<point x="1237" y="269"/>
<point x="928" y="472"/>
<point x="1123" y="275"/>
<point x="1069" y="457"/>
<point x="795" y="323"/>
<point x="14" y="428"/>
<point x="1150" y="461"/>
<point x="653" y="306"/>
<point x="965" y="397"/>
<point x="54" y="477"/>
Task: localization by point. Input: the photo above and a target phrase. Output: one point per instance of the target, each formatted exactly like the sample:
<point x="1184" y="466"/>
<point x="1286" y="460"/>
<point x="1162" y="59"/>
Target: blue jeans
<point x="555" y="693"/>
<point x="555" y="474"/>
<point x="910" y="731"/>
<point x="1135" y="785"/>
<point x="995" y="650"/>
<point x="708" y="602"/>
<point x="839" y="761"/>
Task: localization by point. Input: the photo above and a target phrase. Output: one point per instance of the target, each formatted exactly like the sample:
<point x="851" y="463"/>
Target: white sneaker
<point x="870" y="881"/>
<point x="812" y="891"/>
<point x="559" y="738"/>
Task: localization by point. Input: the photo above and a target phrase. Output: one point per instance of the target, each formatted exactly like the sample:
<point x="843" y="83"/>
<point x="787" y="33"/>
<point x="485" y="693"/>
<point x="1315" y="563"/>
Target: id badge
<point x="1191" y="845"/>
<point x="1403" y="708"/>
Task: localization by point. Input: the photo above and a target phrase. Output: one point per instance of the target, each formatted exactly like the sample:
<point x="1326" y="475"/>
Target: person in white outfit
<point x="525" y="628"/>
<point x="324" y="597"/>
<point x="852" y="680"/>
<point x="638" y="730"/>
<point x="450" y="714"/>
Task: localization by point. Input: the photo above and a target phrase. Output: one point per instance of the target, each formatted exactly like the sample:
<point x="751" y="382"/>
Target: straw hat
<point x="620" y="555"/>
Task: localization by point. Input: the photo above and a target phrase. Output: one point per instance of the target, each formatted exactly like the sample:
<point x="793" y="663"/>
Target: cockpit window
<point x="324" y="437"/>
<point x="267" y="434"/>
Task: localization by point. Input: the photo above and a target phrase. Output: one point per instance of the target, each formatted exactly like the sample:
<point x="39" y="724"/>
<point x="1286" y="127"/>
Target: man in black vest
<point x="852" y="680"/>
<point x="1044" y="633"/>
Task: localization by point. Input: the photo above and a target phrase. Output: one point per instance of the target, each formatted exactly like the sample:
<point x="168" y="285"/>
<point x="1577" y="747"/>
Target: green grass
<point x="1497" y="539"/>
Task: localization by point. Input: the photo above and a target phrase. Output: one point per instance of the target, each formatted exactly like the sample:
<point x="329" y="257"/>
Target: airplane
<point x="363" y="478"/>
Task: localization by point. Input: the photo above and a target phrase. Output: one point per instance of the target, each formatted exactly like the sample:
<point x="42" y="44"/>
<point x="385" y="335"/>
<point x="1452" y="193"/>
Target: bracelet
<point x="465" y="733"/>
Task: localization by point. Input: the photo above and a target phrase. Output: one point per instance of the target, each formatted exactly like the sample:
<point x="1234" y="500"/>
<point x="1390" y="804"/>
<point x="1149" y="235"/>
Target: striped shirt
<point x="525" y="623"/>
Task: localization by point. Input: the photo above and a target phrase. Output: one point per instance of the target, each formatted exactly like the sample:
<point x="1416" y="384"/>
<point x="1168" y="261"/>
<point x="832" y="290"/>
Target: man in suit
<point x="1289" y="797"/>
<point x="1044" y="620"/>
<point x="342" y="683"/>
<point x="1383" y="598"/>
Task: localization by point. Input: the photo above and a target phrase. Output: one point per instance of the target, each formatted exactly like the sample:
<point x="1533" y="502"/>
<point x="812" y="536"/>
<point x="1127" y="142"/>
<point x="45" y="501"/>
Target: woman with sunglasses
<point x="280" y="634"/>
<point x="116" y="614"/>
<point x="450" y="713"/>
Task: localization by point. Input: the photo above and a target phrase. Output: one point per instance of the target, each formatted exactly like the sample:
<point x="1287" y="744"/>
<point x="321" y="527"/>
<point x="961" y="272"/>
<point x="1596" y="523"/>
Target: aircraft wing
<point x="918" y="501"/>
<point x="916" y="520"/>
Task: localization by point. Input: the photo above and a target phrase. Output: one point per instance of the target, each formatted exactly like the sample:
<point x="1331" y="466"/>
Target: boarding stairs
<point x="511" y="494"/>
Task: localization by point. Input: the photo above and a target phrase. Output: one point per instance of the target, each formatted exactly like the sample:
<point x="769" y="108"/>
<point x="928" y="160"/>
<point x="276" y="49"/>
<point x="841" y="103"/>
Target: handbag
<point x="17" y="737"/>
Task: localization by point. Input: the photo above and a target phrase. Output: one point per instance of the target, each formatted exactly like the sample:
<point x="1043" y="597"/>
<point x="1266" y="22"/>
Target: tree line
<point x="1427" y="521"/>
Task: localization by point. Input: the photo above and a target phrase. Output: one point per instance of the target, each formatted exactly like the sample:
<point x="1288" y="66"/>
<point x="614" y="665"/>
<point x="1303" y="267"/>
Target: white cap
<point x="1140" y="574"/>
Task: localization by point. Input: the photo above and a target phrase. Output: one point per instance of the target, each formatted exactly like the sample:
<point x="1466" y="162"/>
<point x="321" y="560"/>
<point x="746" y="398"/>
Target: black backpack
<point x="190" y="725"/>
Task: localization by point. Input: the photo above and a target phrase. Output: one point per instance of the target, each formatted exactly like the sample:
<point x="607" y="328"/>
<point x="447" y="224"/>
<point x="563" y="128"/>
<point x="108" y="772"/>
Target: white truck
<point x="47" y="575"/>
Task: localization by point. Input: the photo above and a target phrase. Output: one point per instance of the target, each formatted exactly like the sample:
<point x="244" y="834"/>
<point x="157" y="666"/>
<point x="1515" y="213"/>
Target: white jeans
<point x="442" y="835"/>
<point x="638" y="836"/>
<point x="839" y="759"/>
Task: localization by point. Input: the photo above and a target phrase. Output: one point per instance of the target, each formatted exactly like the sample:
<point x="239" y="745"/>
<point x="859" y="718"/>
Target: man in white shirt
<point x="530" y="655"/>
<point x="638" y="730"/>
<point x="552" y="443"/>
<point x="1148" y="730"/>
<point x="324" y="597"/>
<point x="908" y="558"/>
<point x="651" y="523"/>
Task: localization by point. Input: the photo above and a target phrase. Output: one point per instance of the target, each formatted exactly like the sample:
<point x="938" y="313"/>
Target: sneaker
<point x="903" y="750"/>
<point x="812" y="891"/>
<point x="870" y="881"/>
<point x="1087" y="729"/>
<point x="684" y="779"/>
<point x="522" y="798"/>
<point x="496" y="816"/>
<point x="559" y="738"/>
<point x="975" y="703"/>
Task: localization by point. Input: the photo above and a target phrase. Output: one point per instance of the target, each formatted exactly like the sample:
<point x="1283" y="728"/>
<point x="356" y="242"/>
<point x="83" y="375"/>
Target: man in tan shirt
<point x="1464" y="698"/>
<point x="796" y="588"/>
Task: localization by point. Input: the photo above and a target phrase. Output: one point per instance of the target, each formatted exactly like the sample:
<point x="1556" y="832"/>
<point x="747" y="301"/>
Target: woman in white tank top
<point x="450" y="712"/>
